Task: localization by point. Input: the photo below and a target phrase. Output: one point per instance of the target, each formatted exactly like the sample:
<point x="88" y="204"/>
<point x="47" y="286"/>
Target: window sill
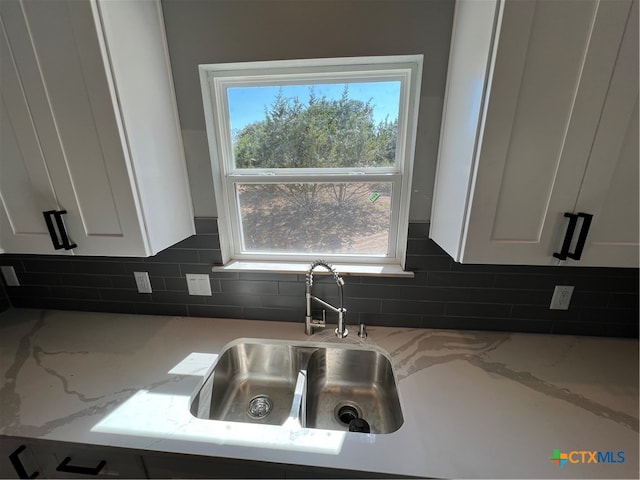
<point x="345" y="269"/>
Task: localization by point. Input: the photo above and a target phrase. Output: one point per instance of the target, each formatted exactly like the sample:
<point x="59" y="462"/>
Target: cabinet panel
<point x="24" y="178"/>
<point x="142" y="74"/>
<point x="549" y="74"/>
<point x="532" y="160"/>
<point x="52" y="459"/>
<point x="78" y="461"/>
<point x="616" y="220"/>
<point x="469" y="60"/>
<point x="190" y="466"/>
<point x="121" y="176"/>
<point x="64" y="35"/>
<point x="19" y="184"/>
<point x="22" y="453"/>
<point x="181" y="466"/>
<point x="610" y="186"/>
<point x="540" y="111"/>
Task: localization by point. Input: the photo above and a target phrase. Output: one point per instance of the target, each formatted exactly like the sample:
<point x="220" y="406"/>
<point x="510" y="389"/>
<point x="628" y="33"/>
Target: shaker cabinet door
<point x="91" y="178"/>
<point x="90" y="128"/>
<point x="18" y="459"/>
<point x="62" y="118"/>
<point x="35" y="458"/>
<point x="25" y="181"/>
<point x="610" y="186"/>
<point x="548" y="89"/>
<point x="549" y="113"/>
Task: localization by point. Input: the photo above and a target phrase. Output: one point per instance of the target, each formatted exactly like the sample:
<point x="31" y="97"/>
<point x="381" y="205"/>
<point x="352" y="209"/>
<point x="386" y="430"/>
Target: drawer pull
<point x="66" y="243"/>
<point x="65" y="467"/>
<point x="17" y="464"/>
<point x="63" y="241"/>
<point x="568" y="237"/>
<point x="57" y="245"/>
<point x="582" y="238"/>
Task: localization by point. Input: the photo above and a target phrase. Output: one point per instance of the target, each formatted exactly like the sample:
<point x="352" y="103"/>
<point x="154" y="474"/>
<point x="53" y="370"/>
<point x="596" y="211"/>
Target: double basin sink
<point x="308" y="385"/>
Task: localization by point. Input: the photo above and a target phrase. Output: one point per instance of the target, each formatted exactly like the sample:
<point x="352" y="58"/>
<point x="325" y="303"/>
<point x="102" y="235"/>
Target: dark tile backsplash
<point x="443" y="294"/>
<point x="4" y="299"/>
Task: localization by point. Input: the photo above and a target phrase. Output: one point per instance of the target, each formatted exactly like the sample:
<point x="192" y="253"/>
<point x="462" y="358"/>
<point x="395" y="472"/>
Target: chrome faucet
<point x="312" y="324"/>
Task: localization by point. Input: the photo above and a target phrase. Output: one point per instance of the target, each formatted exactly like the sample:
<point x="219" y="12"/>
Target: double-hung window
<point x="313" y="158"/>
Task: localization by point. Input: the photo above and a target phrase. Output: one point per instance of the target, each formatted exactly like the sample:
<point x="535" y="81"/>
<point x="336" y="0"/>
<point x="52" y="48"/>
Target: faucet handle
<point x="311" y="324"/>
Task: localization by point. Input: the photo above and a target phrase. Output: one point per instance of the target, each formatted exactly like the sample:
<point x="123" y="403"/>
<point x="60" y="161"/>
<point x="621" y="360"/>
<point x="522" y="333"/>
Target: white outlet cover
<point x="561" y="297"/>
<point x="143" y="282"/>
<point x="198" y="284"/>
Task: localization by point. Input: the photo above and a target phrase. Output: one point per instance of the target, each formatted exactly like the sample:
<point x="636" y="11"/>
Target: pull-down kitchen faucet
<point x="310" y="323"/>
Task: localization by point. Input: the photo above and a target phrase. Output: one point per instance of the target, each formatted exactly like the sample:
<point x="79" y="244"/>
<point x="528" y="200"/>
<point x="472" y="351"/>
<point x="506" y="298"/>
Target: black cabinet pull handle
<point x="566" y="244"/>
<point x="52" y="230"/>
<point x="17" y="464"/>
<point x="63" y="241"/>
<point x="582" y="238"/>
<point x="66" y="243"/>
<point x="65" y="467"/>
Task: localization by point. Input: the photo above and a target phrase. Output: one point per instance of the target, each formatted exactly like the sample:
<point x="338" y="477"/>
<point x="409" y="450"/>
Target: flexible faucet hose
<point x="330" y="268"/>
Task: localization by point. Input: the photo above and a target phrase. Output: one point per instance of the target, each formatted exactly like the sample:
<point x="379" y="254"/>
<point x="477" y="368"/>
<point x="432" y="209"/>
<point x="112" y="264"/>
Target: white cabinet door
<point x="105" y="122"/>
<point x="22" y="458"/>
<point x="66" y="460"/>
<point x="610" y="186"/>
<point x="513" y="163"/>
<point x="25" y="182"/>
<point x="142" y="77"/>
<point x="185" y="466"/>
<point x="18" y="459"/>
<point x="91" y="177"/>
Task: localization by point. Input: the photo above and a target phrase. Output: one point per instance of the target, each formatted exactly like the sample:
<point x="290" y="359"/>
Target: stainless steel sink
<point x="312" y="385"/>
<point x="344" y="384"/>
<point x="251" y="382"/>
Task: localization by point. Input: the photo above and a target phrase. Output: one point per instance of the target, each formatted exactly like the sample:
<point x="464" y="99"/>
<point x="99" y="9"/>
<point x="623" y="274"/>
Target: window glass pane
<point x="340" y="125"/>
<point x="336" y="218"/>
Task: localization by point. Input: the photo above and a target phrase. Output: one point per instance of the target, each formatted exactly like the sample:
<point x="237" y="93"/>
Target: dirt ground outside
<point x="351" y="218"/>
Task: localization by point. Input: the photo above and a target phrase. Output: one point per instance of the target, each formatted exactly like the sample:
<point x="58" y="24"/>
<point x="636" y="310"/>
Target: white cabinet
<point x="24" y="458"/>
<point x="66" y="460"/>
<point x="540" y="119"/>
<point x="18" y="459"/>
<point x="171" y="465"/>
<point x="187" y="466"/>
<point x="90" y="127"/>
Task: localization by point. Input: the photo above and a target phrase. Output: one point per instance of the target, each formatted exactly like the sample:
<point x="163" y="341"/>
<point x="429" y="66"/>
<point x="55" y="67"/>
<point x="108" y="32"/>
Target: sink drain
<point x="259" y="406"/>
<point x="347" y="412"/>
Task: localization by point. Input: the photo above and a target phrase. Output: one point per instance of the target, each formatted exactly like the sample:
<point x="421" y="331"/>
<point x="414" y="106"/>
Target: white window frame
<point x="216" y="78"/>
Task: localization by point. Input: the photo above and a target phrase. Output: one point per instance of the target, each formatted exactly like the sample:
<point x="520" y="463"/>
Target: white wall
<point x="216" y="31"/>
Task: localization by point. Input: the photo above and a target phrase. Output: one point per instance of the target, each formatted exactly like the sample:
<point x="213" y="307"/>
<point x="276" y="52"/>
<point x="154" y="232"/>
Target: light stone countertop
<point x="475" y="404"/>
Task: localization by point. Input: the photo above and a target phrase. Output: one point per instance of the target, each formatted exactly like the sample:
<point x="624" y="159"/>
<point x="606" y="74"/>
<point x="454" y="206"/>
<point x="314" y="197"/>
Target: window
<point x="313" y="158"/>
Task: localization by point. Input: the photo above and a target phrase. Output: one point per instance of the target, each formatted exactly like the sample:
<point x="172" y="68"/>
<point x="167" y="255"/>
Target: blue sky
<point x="247" y="104"/>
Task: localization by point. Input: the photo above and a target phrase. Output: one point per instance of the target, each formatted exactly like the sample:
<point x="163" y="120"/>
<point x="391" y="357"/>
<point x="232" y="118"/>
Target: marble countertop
<point x="475" y="404"/>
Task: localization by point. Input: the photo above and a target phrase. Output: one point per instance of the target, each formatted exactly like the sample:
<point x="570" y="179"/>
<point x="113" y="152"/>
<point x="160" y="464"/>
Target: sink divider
<point x="297" y="416"/>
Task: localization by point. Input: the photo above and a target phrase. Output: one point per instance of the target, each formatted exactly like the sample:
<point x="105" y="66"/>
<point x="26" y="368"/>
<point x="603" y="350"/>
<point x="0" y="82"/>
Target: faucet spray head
<point x="329" y="267"/>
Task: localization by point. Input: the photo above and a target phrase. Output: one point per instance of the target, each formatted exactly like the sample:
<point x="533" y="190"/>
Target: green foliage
<point x="321" y="134"/>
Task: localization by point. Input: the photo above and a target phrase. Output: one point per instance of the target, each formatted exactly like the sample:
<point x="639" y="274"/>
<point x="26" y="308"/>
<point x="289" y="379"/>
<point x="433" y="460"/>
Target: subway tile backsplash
<point x="443" y="294"/>
<point x="4" y="299"/>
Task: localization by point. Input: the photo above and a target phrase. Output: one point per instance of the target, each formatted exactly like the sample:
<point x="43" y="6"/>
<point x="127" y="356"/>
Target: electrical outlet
<point x="561" y="297"/>
<point x="10" y="277"/>
<point x="143" y="282"/>
<point x="198" y="284"/>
